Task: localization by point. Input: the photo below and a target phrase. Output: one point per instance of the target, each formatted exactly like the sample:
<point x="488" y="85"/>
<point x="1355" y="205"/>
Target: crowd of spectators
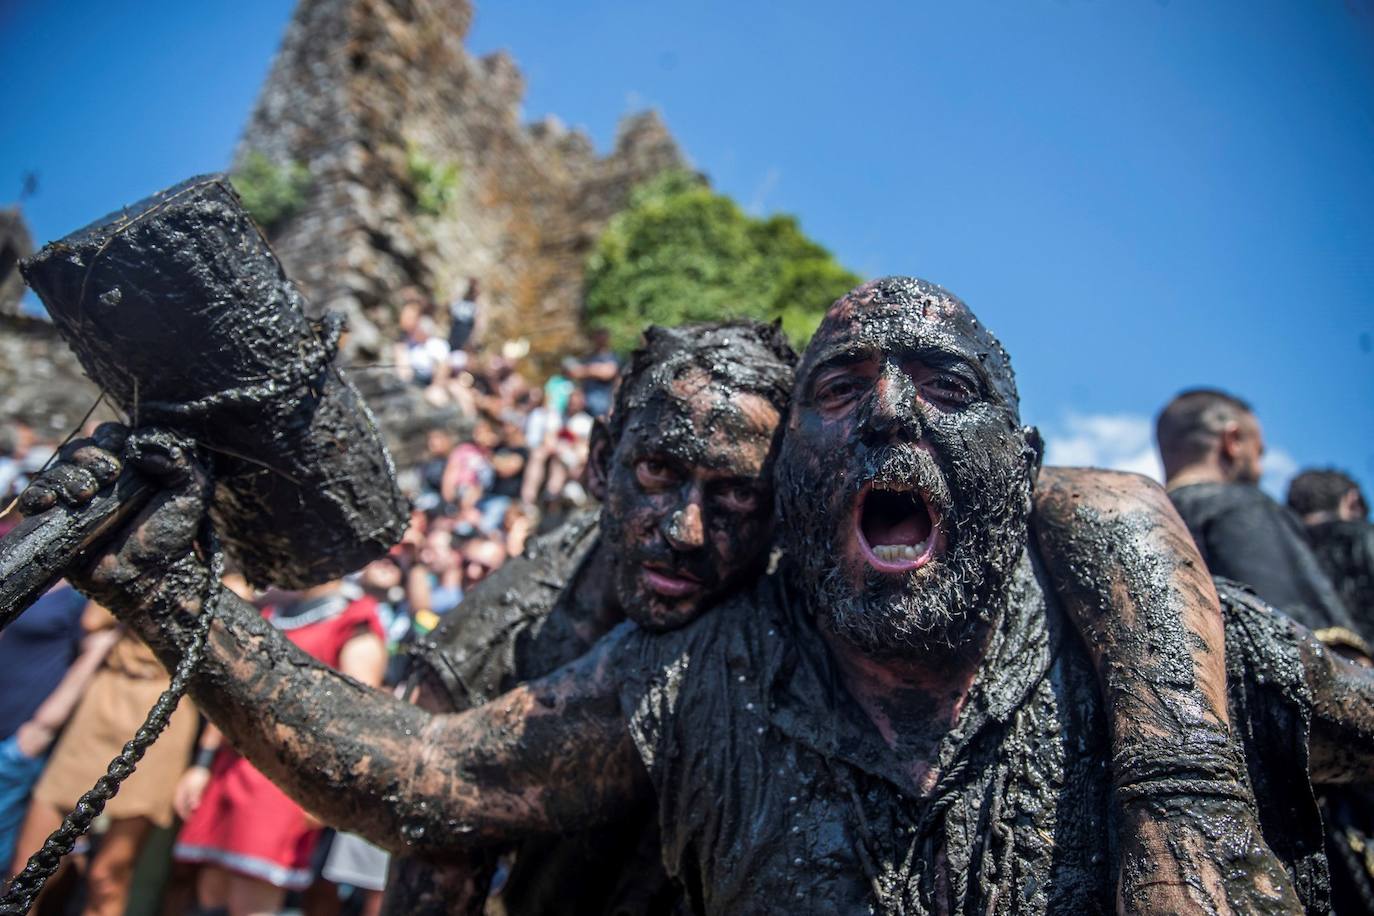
<point x="511" y="466"/>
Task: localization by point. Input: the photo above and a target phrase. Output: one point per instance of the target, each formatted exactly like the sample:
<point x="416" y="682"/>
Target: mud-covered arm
<point x="553" y="755"/>
<point x="458" y="884"/>
<point x="1342" y="737"/>
<point x="1130" y="577"/>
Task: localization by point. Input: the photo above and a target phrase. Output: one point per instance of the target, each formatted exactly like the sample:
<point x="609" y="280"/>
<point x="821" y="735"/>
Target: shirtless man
<point x="901" y="720"/>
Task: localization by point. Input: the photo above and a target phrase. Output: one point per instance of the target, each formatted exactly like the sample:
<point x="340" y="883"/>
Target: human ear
<point x="1228" y="443"/>
<point x="599" y="459"/>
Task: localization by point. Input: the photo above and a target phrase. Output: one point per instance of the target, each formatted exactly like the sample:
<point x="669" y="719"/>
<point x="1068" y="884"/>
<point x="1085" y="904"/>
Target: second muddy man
<point x="683" y="469"/>
<point x="902" y="720"/>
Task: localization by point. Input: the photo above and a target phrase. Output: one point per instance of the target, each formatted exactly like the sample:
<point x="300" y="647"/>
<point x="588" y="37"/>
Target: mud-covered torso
<point x="776" y="795"/>
<point x="517" y="625"/>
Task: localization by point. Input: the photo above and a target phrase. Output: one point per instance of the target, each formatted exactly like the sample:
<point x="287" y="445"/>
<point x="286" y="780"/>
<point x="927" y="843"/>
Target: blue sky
<point x="1138" y="196"/>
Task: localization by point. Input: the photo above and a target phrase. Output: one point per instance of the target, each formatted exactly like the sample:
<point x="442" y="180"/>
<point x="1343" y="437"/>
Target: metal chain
<point x="24" y="889"/>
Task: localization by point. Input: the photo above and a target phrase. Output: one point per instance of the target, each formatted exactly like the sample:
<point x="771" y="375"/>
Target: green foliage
<point x="272" y="193"/>
<point x="681" y="252"/>
<point x="434" y="184"/>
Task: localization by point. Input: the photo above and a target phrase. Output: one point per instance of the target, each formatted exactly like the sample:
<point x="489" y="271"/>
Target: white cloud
<point x="1119" y="442"/>
<point x="1125" y="442"/>
<point x="1279" y="468"/>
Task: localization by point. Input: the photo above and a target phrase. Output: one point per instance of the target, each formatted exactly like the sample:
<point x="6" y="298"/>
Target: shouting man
<point x="901" y="720"/>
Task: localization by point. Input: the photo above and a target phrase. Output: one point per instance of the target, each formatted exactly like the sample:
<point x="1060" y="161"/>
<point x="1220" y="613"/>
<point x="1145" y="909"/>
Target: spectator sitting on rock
<point x="597" y="373"/>
<point x="420" y="357"/>
<point x="463" y="314"/>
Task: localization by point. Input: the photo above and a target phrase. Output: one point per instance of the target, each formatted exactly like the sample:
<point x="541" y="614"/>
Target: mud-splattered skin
<point x="902" y="389"/>
<point x="683" y="470"/>
<point x="1128" y="573"/>
<point x="557" y="754"/>
<point x="687" y="502"/>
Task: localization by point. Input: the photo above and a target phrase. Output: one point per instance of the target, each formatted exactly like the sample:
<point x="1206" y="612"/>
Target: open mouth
<point x="897" y="528"/>
<point x="669" y="581"/>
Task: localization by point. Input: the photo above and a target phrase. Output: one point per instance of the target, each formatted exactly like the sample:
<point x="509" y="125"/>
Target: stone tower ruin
<point x="361" y="91"/>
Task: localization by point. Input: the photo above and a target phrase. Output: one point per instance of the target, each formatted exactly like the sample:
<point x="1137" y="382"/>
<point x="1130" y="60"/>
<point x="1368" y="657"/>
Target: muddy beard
<point x="983" y="505"/>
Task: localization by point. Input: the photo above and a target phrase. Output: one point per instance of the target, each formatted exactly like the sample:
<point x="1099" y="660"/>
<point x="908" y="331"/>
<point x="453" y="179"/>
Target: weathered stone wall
<point x="41" y="383"/>
<point x="359" y="82"/>
<point x="356" y="83"/>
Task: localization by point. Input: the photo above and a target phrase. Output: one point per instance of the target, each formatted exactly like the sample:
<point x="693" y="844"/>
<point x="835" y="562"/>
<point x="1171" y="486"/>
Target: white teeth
<point x="893" y="553"/>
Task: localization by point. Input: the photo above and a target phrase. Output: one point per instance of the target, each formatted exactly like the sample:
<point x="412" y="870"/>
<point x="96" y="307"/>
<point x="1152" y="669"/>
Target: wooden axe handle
<point x="38" y="552"/>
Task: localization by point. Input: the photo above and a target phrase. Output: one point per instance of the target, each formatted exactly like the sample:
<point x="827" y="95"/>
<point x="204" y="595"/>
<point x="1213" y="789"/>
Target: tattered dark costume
<point x="514" y="627"/>
<point x="776" y="794"/>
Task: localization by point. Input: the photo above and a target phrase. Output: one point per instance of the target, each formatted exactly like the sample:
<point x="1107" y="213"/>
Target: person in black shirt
<point x="1212" y="447"/>
<point x="1336" y="514"/>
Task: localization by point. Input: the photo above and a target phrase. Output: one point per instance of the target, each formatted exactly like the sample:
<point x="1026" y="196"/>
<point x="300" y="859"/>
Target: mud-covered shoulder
<point x="1060" y="492"/>
<point x="1131" y="578"/>
<point x="472" y="652"/>
<point x="1263" y="643"/>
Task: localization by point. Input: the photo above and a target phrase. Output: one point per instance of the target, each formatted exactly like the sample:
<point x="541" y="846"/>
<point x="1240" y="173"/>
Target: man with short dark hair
<point x="1336" y="514"/>
<point x="1212" y="448"/>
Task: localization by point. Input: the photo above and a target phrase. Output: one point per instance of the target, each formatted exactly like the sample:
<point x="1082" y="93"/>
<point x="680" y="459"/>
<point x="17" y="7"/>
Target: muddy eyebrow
<point x="841" y="360"/>
<point x="975" y="373"/>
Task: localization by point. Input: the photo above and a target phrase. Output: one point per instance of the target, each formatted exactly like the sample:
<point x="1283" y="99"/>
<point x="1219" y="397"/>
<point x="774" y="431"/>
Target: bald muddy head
<point x="904" y="478"/>
<point x="684" y="466"/>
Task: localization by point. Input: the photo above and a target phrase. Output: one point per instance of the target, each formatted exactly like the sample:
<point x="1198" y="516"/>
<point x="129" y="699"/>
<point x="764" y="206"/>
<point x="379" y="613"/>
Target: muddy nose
<point x="893" y="408"/>
<point x="685" y="530"/>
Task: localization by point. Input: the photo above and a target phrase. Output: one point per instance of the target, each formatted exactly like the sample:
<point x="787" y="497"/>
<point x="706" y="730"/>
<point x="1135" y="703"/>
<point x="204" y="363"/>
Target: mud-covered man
<point x="683" y="469"/>
<point x="901" y="720"/>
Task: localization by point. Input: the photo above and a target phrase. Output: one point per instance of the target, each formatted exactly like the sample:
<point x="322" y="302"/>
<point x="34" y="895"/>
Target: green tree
<point x="271" y="192"/>
<point x="681" y="252"/>
<point x="434" y="184"/>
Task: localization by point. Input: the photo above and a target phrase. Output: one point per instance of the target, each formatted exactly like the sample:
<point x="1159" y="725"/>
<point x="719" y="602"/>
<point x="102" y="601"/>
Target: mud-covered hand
<point x="151" y="561"/>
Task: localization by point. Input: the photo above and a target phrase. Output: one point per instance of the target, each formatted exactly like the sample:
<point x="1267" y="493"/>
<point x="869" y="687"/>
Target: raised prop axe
<point x="179" y="310"/>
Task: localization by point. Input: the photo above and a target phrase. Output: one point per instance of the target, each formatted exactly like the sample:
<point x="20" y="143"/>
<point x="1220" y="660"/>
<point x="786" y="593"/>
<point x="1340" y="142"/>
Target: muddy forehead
<point x="704" y="422"/>
<point x="902" y="315"/>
